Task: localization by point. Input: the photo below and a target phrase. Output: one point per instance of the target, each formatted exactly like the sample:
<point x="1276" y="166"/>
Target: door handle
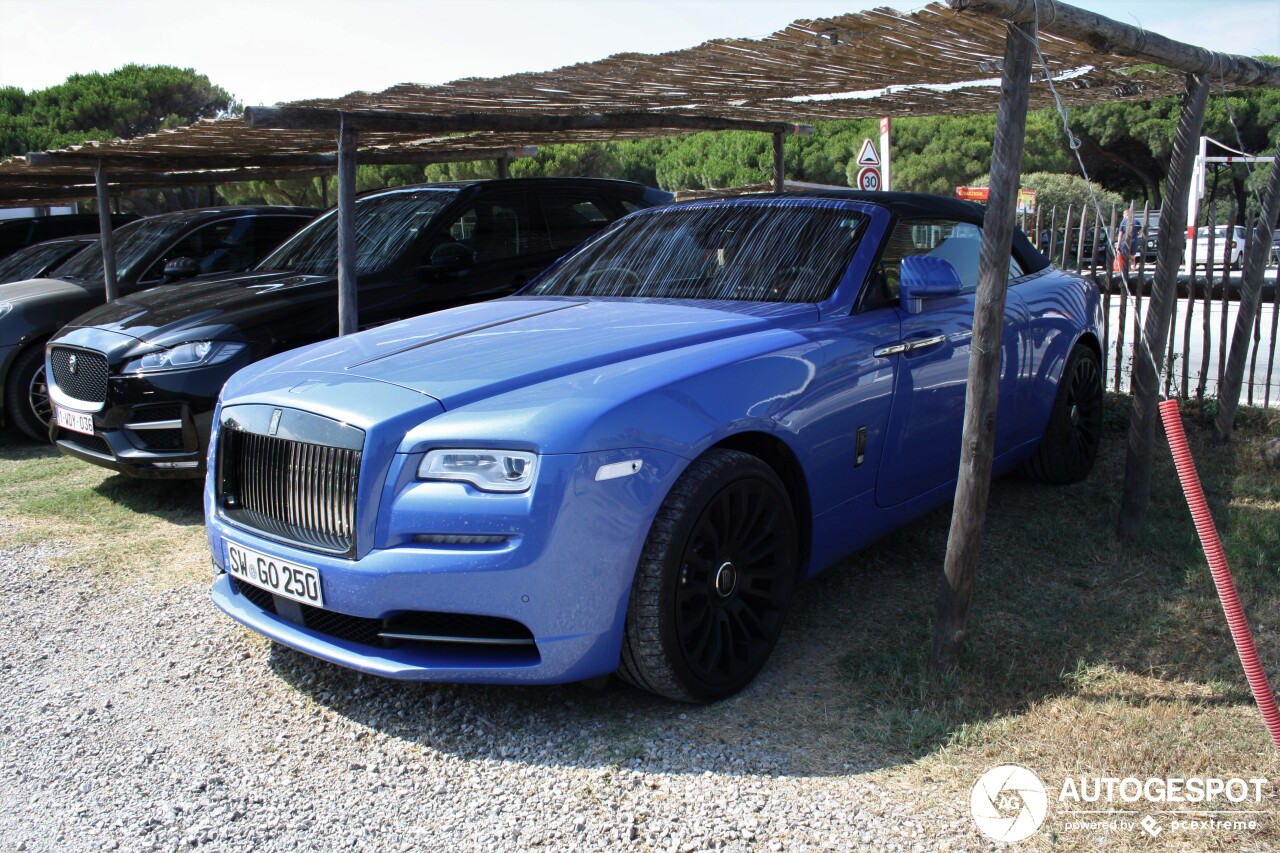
<point x="921" y="343"/>
<point x="907" y="346"/>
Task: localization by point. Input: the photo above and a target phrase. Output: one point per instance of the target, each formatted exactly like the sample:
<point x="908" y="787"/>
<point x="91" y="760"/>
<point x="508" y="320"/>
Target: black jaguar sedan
<point x="134" y="383"/>
<point x="149" y="252"/>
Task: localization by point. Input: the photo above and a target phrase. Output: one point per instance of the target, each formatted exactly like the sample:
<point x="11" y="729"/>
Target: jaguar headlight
<point x="487" y="470"/>
<point x="194" y="354"/>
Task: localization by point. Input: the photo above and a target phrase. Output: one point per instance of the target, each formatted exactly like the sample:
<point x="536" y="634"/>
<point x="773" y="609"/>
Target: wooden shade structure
<point x="938" y="60"/>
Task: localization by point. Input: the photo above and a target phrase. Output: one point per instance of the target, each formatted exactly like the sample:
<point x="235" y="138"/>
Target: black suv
<point x="149" y="252"/>
<point x="23" y="231"/>
<point x="135" y="382"/>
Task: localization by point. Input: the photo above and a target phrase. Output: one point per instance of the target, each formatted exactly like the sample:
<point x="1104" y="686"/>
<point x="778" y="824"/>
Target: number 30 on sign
<point x="869" y="179"/>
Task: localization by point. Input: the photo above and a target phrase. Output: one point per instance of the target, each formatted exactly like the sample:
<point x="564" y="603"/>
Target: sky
<point x="272" y="51"/>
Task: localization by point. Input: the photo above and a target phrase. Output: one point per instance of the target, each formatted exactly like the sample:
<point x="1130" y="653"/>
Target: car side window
<point x="573" y="217"/>
<point x="222" y="246"/>
<point x="495" y="228"/>
<point x="267" y="232"/>
<point x="959" y="243"/>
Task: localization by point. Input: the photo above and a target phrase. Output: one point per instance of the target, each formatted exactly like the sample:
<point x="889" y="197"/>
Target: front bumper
<point x="151" y="426"/>
<point x="563" y="575"/>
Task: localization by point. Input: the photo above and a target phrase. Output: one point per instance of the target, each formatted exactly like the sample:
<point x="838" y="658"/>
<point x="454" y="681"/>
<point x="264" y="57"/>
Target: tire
<point x="1070" y="445"/>
<point x="714" y="581"/>
<point x="26" y="395"/>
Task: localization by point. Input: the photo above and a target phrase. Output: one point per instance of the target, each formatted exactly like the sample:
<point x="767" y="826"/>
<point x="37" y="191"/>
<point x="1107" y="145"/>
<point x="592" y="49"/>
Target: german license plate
<point x="75" y="421"/>
<point x="290" y="580"/>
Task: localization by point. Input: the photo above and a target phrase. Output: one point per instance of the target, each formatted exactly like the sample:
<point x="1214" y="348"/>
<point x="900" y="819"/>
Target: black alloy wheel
<point x="1071" y="440"/>
<point x="26" y="401"/>
<point x="714" y="581"/>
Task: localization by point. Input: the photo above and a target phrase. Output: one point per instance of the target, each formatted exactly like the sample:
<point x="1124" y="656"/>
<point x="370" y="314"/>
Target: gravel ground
<point x="138" y="719"/>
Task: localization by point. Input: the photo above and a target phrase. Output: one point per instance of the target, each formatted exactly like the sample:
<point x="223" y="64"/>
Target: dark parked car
<point x="149" y="252"/>
<point x="135" y="382"/>
<point x="40" y="259"/>
<point x="24" y="231"/>
<point x="630" y="466"/>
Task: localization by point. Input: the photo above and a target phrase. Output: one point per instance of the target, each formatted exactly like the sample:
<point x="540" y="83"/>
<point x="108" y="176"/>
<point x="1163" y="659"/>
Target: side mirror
<point x="921" y="277"/>
<point x="452" y="257"/>
<point x="177" y="269"/>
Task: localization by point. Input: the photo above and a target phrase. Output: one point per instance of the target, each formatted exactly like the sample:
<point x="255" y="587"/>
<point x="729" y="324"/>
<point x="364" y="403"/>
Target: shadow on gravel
<point x="1058" y="608"/>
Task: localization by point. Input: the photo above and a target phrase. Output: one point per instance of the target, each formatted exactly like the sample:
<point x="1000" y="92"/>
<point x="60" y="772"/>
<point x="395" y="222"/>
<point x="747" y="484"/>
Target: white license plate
<point x="75" y="421"/>
<point x="299" y="583"/>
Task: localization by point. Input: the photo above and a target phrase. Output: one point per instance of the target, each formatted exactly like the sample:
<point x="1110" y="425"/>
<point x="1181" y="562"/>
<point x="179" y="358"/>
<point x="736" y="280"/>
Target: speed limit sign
<point x="869" y="179"/>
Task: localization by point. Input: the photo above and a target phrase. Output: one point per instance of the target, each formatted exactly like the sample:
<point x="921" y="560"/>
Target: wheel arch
<point x="1090" y="340"/>
<point x="775" y="453"/>
<point x="35" y="340"/>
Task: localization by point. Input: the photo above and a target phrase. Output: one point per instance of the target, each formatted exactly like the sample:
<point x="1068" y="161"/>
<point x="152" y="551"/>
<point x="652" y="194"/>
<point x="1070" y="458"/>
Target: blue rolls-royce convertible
<point x="630" y="465"/>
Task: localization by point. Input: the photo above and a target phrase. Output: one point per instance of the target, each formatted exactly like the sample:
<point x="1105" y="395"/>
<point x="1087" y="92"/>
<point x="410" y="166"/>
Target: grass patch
<point x="119" y="529"/>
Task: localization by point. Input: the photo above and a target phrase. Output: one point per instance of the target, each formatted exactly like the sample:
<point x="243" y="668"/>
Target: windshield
<point x="756" y="253"/>
<point x="134" y="244"/>
<point x="386" y="224"/>
<point x="28" y="262"/>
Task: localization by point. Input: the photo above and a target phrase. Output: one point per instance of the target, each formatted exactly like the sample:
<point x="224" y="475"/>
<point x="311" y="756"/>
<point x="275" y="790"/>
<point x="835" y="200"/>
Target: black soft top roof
<point x="926" y="206"/>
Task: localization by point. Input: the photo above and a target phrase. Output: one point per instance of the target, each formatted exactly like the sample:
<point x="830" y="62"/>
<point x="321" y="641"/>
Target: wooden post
<point x="324" y="192"/>
<point x="1191" y="310"/>
<point x="1066" y="235"/>
<point x="1169" y="247"/>
<point x="1084" y="221"/>
<point x="106" y="241"/>
<point x="1053" y="233"/>
<point x="982" y="392"/>
<point x="348" y="310"/>
<point x="504" y="168"/>
<point x="1250" y="299"/>
<point x="779" y="163"/>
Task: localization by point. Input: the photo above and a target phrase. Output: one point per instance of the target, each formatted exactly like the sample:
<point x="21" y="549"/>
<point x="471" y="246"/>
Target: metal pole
<point x="348" y="317"/>
<point x="104" y="229"/>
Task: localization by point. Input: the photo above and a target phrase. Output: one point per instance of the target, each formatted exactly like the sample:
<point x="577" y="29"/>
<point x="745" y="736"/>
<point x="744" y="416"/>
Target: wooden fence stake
<point x="1250" y="299"/>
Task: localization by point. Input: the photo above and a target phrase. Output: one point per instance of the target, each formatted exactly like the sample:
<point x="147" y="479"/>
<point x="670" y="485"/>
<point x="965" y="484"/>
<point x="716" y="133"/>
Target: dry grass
<point x="116" y="528"/>
<point x="1084" y="656"/>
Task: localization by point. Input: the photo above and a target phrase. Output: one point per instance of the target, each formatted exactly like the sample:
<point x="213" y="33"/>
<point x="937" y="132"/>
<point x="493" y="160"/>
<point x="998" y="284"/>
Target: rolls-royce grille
<point x="81" y="374"/>
<point x="292" y="490"/>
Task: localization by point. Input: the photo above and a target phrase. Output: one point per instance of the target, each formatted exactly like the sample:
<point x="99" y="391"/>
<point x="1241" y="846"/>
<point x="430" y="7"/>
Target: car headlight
<point x="487" y="470"/>
<point x="194" y="354"/>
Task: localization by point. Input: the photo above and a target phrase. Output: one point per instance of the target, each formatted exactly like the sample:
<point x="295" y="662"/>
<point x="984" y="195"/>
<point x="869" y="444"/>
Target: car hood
<point x="171" y="311"/>
<point x="478" y="351"/>
<point x="43" y="288"/>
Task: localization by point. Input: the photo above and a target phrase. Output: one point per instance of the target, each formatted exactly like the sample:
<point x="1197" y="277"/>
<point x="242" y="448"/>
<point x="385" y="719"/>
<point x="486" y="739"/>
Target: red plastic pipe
<point x="1240" y="632"/>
